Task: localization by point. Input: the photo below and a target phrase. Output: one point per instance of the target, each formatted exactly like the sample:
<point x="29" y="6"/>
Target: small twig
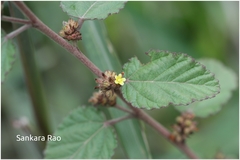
<point x="157" y="126"/>
<point x="26" y="11"/>
<point x="47" y="31"/>
<point x="17" y="31"/>
<point x="15" y="20"/>
<point x="124" y="109"/>
<point x="80" y="23"/>
<point x="114" y="121"/>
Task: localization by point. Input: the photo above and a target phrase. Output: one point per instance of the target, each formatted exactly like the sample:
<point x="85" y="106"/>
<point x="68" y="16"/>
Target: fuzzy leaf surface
<point x="170" y="78"/>
<point x="91" y="9"/>
<point x="83" y="135"/>
<point x="228" y="82"/>
<point x="8" y="51"/>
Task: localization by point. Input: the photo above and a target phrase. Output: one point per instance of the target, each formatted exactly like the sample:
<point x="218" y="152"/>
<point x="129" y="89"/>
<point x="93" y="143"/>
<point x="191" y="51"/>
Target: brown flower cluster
<point x="184" y="127"/>
<point x="107" y="87"/>
<point x="69" y="31"/>
<point x="99" y="98"/>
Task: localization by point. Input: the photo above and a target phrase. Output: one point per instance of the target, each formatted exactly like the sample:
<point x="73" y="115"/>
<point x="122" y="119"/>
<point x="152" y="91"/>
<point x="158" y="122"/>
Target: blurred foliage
<point x="200" y="29"/>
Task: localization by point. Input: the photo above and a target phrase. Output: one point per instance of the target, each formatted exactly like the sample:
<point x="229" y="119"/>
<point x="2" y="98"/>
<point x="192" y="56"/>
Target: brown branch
<point x="124" y="109"/>
<point x="17" y="31"/>
<point x="47" y="31"/>
<point x="158" y="127"/>
<point x="15" y="20"/>
<point x="114" y="121"/>
<point x="80" y="23"/>
<point x="27" y="12"/>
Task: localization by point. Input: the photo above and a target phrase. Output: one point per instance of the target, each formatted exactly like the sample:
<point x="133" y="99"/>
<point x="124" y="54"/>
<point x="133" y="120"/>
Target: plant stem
<point x="114" y="121"/>
<point x="157" y="126"/>
<point x="47" y="31"/>
<point x="139" y="113"/>
<point x="17" y="31"/>
<point x="15" y="20"/>
<point x="80" y="23"/>
<point x="163" y="131"/>
<point x="124" y="109"/>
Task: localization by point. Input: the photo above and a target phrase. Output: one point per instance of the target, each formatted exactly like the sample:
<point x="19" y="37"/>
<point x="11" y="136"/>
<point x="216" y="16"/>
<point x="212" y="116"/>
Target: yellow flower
<point x="119" y="79"/>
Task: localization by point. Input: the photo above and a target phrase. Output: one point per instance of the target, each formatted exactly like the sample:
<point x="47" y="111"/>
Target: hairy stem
<point x="80" y="23"/>
<point x="158" y="127"/>
<point x="124" y="109"/>
<point x="47" y="31"/>
<point x="17" y="31"/>
<point x="114" y="121"/>
<point x="139" y="113"/>
<point x="163" y="131"/>
<point x="15" y="20"/>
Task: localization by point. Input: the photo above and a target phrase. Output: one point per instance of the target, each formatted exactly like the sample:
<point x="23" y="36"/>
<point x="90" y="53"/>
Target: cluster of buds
<point x="183" y="128"/>
<point x="70" y="31"/>
<point x="99" y="98"/>
<point x="107" y="85"/>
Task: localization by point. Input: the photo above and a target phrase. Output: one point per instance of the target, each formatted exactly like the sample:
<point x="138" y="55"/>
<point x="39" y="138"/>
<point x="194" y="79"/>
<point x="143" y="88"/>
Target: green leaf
<point x="169" y="78"/>
<point x="100" y="51"/>
<point x="228" y="82"/>
<point x="91" y="9"/>
<point x="83" y="135"/>
<point x="8" y="51"/>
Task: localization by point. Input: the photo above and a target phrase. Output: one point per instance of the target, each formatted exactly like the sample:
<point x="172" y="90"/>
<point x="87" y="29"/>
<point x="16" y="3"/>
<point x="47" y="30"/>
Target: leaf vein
<point x="88" y="10"/>
<point x="86" y="142"/>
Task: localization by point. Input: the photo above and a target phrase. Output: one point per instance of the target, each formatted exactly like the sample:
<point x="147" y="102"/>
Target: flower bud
<point x="187" y="122"/>
<point x="183" y="128"/>
<point x="187" y="131"/>
<point x="179" y="119"/>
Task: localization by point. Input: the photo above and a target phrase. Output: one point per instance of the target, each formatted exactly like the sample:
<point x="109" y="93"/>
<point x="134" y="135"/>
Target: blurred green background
<point x="200" y="29"/>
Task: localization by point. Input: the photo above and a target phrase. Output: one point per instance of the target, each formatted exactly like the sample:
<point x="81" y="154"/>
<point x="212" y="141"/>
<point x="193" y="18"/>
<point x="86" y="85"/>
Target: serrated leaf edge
<point x="95" y="18"/>
<point x="14" y="59"/>
<point x="130" y="60"/>
<point x="170" y="103"/>
<point x="92" y="108"/>
<point x="222" y="104"/>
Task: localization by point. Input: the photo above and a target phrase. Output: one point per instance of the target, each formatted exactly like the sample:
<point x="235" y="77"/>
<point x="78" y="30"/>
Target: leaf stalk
<point x="117" y="120"/>
<point x="15" y="20"/>
<point x="17" y="31"/>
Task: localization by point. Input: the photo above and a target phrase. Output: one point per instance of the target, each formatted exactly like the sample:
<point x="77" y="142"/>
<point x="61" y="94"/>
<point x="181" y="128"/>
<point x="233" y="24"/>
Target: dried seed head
<point x="187" y="122"/>
<point x="183" y="128"/>
<point x="107" y="87"/>
<point x="109" y="74"/>
<point x="61" y="33"/>
<point x="179" y="119"/>
<point x="99" y="98"/>
<point x="187" y="131"/>
<point x="73" y="23"/>
<point x="69" y="31"/>
<point x="112" y="99"/>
